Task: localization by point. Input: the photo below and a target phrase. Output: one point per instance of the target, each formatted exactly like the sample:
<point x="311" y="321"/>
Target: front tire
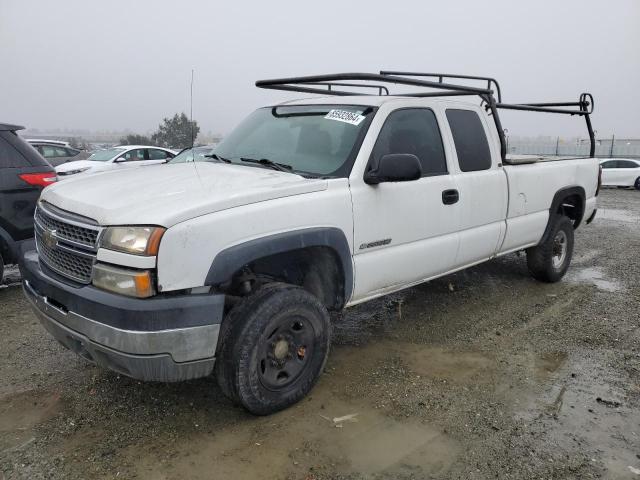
<point x="549" y="261"/>
<point x="637" y="184"/>
<point x="274" y="349"/>
<point x="1" y="269"/>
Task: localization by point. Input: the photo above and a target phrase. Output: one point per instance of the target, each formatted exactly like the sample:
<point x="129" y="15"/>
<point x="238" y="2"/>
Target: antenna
<point x="191" y="111"/>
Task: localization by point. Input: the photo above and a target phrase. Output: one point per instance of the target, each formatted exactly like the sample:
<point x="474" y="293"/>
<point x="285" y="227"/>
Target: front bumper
<point x="161" y="339"/>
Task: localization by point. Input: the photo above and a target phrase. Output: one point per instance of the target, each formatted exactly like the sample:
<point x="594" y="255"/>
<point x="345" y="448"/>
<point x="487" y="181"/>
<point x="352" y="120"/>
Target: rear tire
<point x="1" y="269"/>
<point x="637" y="184"/>
<point x="273" y="349"/>
<point x="549" y="261"/>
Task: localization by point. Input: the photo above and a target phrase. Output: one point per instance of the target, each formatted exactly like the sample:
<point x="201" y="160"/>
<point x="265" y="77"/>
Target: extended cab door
<point x="482" y="186"/>
<point x="403" y="231"/>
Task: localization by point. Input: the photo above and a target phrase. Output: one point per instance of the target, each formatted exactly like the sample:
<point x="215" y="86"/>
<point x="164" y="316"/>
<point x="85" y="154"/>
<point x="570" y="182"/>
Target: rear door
<point x="481" y="184"/>
<point x="157" y="155"/>
<point x="403" y="231"/>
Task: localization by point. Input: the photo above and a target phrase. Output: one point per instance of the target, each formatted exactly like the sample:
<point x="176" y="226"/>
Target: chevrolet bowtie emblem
<point x="49" y="238"/>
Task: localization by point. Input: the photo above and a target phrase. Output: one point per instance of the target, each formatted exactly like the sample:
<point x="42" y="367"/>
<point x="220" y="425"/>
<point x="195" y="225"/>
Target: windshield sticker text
<point x="353" y="118"/>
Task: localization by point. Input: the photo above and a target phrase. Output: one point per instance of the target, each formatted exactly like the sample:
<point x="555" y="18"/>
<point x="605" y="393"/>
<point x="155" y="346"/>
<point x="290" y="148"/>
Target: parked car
<point x="23" y="175"/>
<point x="116" y="158"/>
<point x="193" y="154"/>
<point x="232" y="265"/>
<point x="57" y="153"/>
<point x="621" y="172"/>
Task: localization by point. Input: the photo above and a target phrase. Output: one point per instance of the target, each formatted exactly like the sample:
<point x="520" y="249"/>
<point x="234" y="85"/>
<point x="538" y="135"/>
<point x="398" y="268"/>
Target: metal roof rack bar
<point x="380" y="88"/>
<point x="441" y="76"/>
<point x="305" y="84"/>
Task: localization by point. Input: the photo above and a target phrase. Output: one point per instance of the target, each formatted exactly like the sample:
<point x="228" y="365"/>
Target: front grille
<point x="67" y="231"/>
<point x="66" y="246"/>
<point x="68" y="264"/>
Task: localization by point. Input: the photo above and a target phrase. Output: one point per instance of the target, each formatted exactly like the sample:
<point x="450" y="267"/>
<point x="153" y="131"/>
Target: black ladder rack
<point x="314" y="83"/>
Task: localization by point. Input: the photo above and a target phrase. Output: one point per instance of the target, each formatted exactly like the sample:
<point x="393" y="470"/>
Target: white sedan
<point x="621" y="172"/>
<point x="116" y="158"/>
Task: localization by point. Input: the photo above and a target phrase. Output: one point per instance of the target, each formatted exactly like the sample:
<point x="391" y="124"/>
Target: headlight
<point x="73" y="172"/>
<point x="135" y="240"/>
<point x="133" y="283"/>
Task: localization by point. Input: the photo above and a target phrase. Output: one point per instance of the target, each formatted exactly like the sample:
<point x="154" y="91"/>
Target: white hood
<point x="170" y="194"/>
<point x="78" y="164"/>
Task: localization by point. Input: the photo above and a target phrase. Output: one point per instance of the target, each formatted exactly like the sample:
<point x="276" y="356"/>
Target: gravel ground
<point x="481" y="374"/>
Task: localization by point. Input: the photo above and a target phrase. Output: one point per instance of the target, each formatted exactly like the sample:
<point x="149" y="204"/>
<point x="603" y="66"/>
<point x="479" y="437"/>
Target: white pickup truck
<point x="231" y="266"/>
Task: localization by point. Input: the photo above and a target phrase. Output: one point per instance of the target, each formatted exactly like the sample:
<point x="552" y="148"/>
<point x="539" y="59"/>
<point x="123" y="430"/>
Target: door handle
<point x="449" y="197"/>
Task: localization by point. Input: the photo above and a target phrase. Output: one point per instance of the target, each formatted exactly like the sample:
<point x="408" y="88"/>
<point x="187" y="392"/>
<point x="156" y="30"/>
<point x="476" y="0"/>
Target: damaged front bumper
<point x="166" y="338"/>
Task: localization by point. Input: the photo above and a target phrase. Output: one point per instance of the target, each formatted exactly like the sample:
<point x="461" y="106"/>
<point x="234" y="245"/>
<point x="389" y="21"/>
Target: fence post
<point x="557" y="144"/>
<point x="613" y="139"/>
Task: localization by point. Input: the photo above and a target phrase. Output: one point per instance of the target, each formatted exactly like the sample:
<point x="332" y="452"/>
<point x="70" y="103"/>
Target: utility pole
<point x="557" y="145"/>
<point x="191" y="110"/>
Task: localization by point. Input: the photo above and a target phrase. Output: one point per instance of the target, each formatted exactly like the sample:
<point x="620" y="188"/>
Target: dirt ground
<point x="482" y="374"/>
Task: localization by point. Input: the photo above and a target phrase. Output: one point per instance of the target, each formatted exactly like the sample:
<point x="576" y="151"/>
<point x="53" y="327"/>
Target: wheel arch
<point x="318" y="259"/>
<point x="570" y="202"/>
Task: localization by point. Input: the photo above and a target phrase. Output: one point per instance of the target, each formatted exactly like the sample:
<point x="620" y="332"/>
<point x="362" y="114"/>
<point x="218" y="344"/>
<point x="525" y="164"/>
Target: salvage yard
<point x="482" y="374"/>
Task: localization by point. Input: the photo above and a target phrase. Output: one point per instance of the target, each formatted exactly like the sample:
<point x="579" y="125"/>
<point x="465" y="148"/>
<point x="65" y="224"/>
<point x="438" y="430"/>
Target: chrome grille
<point x="67" y="231"/>
<point x="66" y="263"/>
<point x="66" y="246"/>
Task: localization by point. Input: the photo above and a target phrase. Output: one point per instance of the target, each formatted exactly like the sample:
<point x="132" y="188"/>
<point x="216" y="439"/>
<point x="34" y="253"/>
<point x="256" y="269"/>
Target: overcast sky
<point x="120" y="64"/>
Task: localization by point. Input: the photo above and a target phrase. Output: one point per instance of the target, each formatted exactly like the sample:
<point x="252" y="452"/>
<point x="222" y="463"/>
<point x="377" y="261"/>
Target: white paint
<point x="208" y="207"/>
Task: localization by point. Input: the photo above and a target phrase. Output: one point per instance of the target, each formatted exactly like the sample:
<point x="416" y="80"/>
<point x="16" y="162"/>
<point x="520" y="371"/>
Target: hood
<point x="77" y="164"/>
<point x="170" y="194"/>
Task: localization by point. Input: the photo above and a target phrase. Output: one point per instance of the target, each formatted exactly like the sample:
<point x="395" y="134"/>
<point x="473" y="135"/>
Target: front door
<point x="404" y="232"/>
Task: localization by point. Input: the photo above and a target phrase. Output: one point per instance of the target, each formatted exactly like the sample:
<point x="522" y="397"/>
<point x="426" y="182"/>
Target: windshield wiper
<point x="218" y="157"/>
<point x="283" y="167"/>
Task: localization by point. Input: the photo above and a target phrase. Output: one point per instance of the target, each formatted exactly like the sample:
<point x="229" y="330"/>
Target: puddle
<point x="303" y="442"/>
<point x="594" y="276"/>
<point x="617" y="215"/>
<point x="21" y="412"/>
<point x="606" y="431"/>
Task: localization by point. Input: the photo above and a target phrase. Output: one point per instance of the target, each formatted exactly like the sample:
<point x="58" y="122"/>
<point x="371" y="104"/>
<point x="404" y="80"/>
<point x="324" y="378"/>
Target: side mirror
<point x="395" y="167"/>
<point x="120" y="160"/>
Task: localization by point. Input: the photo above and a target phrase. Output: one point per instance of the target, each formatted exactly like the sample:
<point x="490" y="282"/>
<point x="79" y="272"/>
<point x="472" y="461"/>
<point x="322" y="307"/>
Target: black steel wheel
<point x="275" y="350"/>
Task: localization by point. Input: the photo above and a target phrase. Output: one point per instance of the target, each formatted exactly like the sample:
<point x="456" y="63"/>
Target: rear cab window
<point x="470" y="140"/>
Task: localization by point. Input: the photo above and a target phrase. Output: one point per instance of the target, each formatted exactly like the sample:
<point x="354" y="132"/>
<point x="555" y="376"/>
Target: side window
<point x="626" y="164"/>
<point x="71" y="152"/>
<point x="48" y="151"/>
<point x="155" y="154"/>
<point x="9" y="157"/>
<point x="414" y="131"/>
<point x="470" y="140"/>
<point x="609" y="164"/>
<point x="134" y="155"/>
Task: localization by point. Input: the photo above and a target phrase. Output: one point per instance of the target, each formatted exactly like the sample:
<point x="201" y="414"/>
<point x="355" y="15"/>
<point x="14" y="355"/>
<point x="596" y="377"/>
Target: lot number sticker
<point x="354" y="118"/>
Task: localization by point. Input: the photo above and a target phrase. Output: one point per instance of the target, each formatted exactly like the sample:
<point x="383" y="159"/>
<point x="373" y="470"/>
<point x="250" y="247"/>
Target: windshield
<point x="311" y="139"/>
<point x="104" y="155"/>
<point x="188" y="154"/>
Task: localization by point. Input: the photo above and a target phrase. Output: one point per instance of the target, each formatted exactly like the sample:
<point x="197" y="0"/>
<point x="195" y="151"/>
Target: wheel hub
<point x="281" y="349"/>
<point x="559" y="249"/>
<point x="285" y="352"/>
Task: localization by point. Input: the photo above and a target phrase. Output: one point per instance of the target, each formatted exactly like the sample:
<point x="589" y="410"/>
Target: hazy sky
<point x="113" y="65"/>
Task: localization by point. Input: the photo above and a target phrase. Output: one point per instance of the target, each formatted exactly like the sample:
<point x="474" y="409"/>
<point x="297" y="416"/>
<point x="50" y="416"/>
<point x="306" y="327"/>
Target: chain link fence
<point x="611" y="147"/>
